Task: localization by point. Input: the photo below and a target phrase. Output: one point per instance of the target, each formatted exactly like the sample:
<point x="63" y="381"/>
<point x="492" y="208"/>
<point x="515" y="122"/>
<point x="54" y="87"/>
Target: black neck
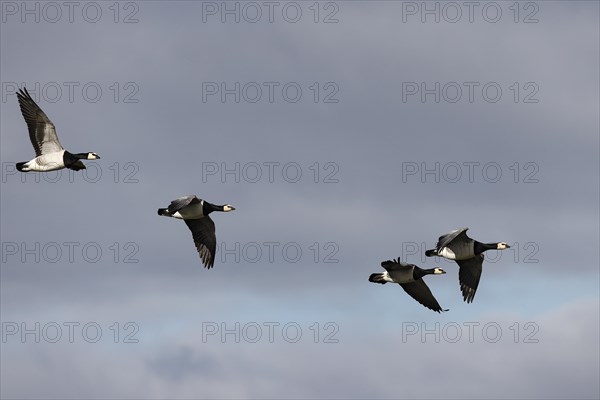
<point x="81" y="156"/>
<point x="207" y="208"/>
<point x="479" y="247"/>
<point x="418" y="273"/>
<point x="72" y="159"/>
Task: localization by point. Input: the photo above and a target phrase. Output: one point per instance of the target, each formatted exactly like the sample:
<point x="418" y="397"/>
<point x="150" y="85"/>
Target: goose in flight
<point x="409" y="276"/>
<point x="50" y="155"/>
<point x="468" y="254"/>
<point x="194" y="212"/>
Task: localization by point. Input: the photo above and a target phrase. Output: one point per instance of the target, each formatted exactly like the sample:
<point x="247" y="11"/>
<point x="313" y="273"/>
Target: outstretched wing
<point x="469" y="274"/>
<point x="392" y="265"/>
<point x="182" y="202"/>
<point x="203" y="232"/>
<point x="419" y="291"/>
<point x="41" y="130"/>
<point x="448" y="238"/>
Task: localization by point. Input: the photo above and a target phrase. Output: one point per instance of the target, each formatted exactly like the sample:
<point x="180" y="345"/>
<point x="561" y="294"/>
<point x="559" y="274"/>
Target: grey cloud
<point x="183" y="363"/>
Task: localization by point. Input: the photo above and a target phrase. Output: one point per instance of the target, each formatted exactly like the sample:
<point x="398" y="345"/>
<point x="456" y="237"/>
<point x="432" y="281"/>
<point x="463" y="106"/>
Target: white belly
<point x="462" y="251"/>
<point x="47" y="162"/>
<point x="447" y="253"/>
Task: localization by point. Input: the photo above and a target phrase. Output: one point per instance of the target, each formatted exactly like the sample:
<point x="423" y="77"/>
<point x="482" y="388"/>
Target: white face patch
<point x="92" y="156"/>
<point x="502" y="246"/>
<point x="227" y="207"/>
<point x="439" y="271"/>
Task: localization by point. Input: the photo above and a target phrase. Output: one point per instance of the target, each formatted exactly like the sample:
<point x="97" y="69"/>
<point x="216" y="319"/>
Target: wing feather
<point x="419" y="291"/>
<point x="182" y="202"/>
<point x="469" y="274"/>
<point x="42" y="132"/>
<point x="391" y="265"/>
<point x="203" y="232"/>
<point x="448" y="238"/>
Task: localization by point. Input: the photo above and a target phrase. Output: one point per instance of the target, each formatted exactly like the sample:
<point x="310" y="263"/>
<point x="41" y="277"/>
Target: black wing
<point x="391" y="265"/>
<point x="203" y="232"/>
<point x="41" y="130"/>
<point x="448" y="238"/>
<point x="469" y="274"/>
<point x="419" y="291"/>
<point x="182" y="202"/>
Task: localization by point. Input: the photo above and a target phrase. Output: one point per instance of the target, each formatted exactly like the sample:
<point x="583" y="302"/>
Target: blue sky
<point x="345" y="134"/>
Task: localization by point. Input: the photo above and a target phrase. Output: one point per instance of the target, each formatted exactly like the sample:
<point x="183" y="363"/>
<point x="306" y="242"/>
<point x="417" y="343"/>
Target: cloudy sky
<point x="345" y="133"/>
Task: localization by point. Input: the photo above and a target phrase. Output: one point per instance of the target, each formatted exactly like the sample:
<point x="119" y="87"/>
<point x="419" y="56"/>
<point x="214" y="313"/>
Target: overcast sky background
<point x="364" y="206"/>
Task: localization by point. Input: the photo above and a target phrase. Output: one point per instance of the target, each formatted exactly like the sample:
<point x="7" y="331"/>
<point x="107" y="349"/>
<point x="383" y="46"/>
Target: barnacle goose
<point x="50" y="155"/>
<point x="409" y="276"/>
<point x="195" y="212"/>
<point x="468" y="254"/>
